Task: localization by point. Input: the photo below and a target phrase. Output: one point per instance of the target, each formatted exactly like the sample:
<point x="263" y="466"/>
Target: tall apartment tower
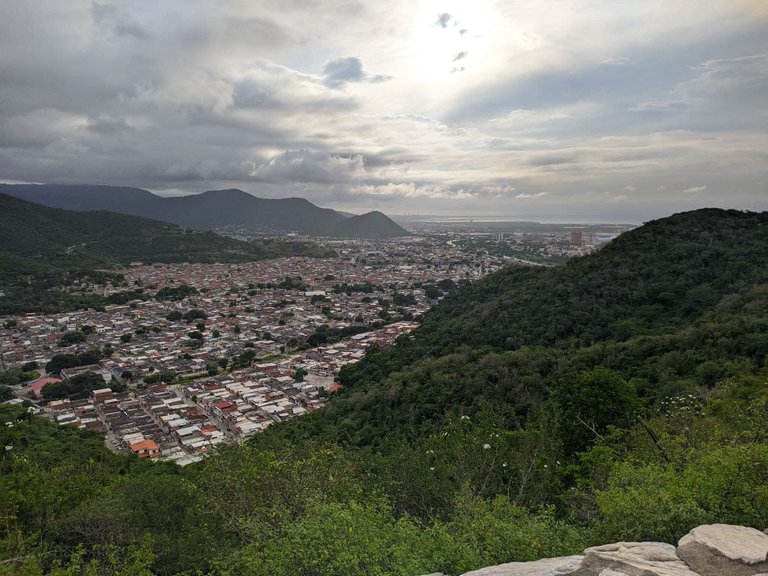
<point x="575" y="238"/>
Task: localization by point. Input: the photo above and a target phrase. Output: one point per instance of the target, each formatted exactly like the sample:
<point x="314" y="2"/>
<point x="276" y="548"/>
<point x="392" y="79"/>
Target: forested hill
<point x="49" y="234"/>
<point x="654" y="281"/>
<point x="655" y="278"/>
<point x="41" y="248"/>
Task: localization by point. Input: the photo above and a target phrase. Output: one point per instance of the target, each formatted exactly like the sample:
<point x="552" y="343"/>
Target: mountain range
<point x="213" y="210"/>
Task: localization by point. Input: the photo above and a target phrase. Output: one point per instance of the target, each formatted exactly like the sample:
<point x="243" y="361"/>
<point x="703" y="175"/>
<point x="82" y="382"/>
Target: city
<point x="196" y="355"/>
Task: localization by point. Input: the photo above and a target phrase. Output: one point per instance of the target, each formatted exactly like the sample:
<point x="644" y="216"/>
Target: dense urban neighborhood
<point x="190" y="356"/>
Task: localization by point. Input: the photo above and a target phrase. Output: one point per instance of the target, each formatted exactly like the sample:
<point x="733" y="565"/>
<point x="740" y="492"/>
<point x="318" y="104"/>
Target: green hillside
<point x="646" y="293"/>
<point x="622" y="397"/>
<point x="42" y="249"/>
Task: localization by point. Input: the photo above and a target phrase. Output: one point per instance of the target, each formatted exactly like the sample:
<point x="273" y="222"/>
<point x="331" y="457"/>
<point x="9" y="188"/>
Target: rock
<point x="565" y="566"/>
<point x="724" y="550"/>
<point x="635" y="559"/>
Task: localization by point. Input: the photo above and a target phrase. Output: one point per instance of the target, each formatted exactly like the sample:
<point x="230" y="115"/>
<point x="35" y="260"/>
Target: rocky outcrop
<point x="709" y="550"/>
<point x="715" y="549"/>
<point x="548" y="567"/>
<point x="634" y="559"/>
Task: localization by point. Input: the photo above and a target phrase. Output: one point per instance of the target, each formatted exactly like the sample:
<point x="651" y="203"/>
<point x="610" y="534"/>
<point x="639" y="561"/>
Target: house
<point x="102" y="394"/>
<point x="146" y="449"/>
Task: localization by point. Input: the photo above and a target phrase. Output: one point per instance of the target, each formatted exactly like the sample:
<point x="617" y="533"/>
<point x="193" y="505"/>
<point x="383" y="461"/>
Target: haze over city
<point x="583" y="110"/>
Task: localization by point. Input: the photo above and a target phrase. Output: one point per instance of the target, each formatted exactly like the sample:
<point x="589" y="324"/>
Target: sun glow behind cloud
<point x="452" y="37"/>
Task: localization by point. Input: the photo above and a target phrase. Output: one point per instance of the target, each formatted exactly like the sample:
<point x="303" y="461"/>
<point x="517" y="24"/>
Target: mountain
<point x="212" y="210"/>
<point x="41" y="248"/>
<point x="373" y="225"/>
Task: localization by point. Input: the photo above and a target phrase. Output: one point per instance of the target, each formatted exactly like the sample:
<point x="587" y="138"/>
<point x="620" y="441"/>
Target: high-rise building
<point x="576" y="239"/>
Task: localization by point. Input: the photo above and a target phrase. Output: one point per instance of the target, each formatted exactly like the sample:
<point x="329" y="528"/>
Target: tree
<point x="70" y="338"/>
<point x="432" y="292"/>
<point x="194" y="314"/>
<point x="299" y="375"/>
<point x="74" y="388"/>
<point x="6" y="393"/>
<point x="591" y="402"/>
<point x="60" y="362"/>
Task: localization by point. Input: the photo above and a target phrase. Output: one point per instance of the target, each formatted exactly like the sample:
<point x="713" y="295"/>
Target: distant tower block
<point x="575" y="238"/>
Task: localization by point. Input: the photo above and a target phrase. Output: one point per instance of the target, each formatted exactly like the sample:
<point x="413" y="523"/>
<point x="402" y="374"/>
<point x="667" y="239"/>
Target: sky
<point x="590" y="110"/>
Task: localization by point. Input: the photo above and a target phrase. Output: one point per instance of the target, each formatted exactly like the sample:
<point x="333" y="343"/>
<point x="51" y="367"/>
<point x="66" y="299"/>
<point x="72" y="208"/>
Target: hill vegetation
<point x="620" y="397"/>
<point x="43" y="250"/>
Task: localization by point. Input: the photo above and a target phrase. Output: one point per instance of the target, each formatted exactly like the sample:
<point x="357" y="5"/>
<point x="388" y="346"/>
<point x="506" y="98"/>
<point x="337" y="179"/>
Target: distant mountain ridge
<point x="373" y="225"/>
<point x="212" y="210"/>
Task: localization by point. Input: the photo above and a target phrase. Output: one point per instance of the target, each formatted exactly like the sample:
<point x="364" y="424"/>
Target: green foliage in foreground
<point x="471" y="494"/>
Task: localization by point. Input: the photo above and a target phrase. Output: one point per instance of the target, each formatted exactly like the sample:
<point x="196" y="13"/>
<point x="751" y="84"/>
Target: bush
<point x="657" y="502"/>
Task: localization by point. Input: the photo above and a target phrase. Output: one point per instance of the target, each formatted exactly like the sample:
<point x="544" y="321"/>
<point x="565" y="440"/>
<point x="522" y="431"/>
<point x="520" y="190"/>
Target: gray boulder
<point x="565" y="566"/>
<point x="635" y="559"/>
<point x="725" y="550"/>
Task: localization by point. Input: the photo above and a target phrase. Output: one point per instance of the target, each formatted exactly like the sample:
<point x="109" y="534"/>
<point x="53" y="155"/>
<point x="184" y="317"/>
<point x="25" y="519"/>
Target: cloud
<point x="662" y="106"/>
<point x="723" y="93"/>
<point x="272" y="87"/>
<point x="195" y="96"/>
<point x="108" y="126"/>
<point x="694" y="190"/>
<point x="117" y="21"/>
<point x="337" y="73"/>
<point x="309" y="166"/>
<point x="443" y="20"/>
<point x="620" y="61"/>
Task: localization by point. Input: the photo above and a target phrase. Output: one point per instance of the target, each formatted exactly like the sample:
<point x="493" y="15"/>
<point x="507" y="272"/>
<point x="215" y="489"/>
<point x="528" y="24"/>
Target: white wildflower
<point x="486" y="446"/>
